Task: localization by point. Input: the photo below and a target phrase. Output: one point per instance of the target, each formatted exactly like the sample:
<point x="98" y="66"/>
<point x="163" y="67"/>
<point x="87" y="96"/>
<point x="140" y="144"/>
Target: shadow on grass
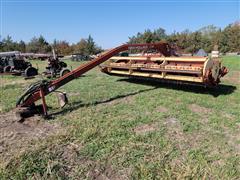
<point x="214" y="91"/>
<point x="76" y="105"/>
<point x="195" y="88"/>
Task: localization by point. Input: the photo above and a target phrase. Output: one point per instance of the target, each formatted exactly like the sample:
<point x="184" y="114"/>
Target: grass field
<point x="118" y="128"/>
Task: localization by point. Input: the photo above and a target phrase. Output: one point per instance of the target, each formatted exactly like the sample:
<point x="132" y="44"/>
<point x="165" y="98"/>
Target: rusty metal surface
<point x="37" y="91"/>
<point x="11" y="73"/>
<point x="203" y="70"/>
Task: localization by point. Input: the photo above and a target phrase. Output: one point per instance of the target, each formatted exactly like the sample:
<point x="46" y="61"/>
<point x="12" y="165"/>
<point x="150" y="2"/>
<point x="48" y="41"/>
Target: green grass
<point x="234" y="65"/>
<point x="99" y="137"/>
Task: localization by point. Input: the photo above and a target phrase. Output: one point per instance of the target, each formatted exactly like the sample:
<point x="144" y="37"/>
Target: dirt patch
<point x="228" y="116"/>
<point x="16" y="137"/>
<point x="145" y="128"/>
<point x="174" y="129"/>
<point x="107" y="173"/>
<point x="70" y="152"/>
<point x="233" y="139"/>
<point x="238" y="125"/>
<point x="161" y="109"/>
<point x="171" y="121"/>
<point x="199" y="109"/>
<point x="233" y="77"/>
<point x="181" y="140"/>
<point x="178" y="101"/>
<point x="202" y="111"/>
<point x="72" y="161"/>
<point x="174" y="132"/>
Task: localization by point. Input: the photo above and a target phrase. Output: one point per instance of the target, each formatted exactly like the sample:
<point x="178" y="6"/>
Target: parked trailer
<point x="41" y="56"/>
<point x="27" y="55"/>
<point x="9" y="54"/>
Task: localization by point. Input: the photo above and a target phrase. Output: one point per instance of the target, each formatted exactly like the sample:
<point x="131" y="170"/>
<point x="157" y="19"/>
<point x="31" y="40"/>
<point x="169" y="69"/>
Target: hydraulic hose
<point x="31" y="89"/>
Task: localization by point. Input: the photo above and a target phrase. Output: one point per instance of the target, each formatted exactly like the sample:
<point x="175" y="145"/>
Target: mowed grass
<point x="118" y="128"/>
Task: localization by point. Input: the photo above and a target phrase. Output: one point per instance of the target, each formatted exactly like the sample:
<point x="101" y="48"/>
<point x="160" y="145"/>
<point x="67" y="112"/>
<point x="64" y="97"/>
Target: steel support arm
<point x="29" y="98"/>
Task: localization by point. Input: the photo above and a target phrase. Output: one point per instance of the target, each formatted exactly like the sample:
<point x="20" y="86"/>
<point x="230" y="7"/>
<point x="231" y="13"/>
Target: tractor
<point x="55" y="67"/>
<point x="13" y="63"/>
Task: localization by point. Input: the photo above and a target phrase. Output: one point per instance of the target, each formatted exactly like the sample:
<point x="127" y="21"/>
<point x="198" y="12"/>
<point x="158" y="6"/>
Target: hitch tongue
<point x="62" y="99"/>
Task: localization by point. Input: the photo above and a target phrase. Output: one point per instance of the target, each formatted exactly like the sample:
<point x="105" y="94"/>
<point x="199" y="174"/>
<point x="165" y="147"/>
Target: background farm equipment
<point x="13" y="63"/>
<point x="55" y="67"/>
<point x="3" y="64"/>
<point x="80" y="57"/>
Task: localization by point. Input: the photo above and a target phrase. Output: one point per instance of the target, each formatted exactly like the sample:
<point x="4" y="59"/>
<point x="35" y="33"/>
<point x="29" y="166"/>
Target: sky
<point x="110" y="22"/>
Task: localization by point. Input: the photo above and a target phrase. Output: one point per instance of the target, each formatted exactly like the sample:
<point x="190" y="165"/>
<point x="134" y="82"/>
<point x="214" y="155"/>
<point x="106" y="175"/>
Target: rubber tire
<point x="63" y="64"/>
<point x="30" y="71"/>
<point x="12" y="69"/>
<point x="7" y="69"/>
<point x="64" y="71"/>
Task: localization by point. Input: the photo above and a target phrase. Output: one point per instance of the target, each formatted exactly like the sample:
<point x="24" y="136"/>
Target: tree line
<point x="207" y="38"/>
<point x="86" y="46"/>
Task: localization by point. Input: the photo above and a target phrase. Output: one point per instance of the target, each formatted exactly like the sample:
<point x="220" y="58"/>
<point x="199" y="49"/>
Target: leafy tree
<point x="216" y="39"/>
<point x="195" y="40"/>
<point x="231" y="35"/>
<point x="90" y="45"/>
<point x="33" y="45"/>
<point x="206" y="44"/>
<point x="209" y="31"/>
<point x="159" y="34"/>
<point x="38" y="45"/>
<point x="21" y="46"/>
<point x="1" y="45"/>
<point x="181" y="40"/>
<point x="8" y="44"/>
<point x="62" y="47"/>
<point x="148" y="36"/>
<point x="81" y="47"/>
<point x="210" y="37"/>
<point x="87" y="47"/>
